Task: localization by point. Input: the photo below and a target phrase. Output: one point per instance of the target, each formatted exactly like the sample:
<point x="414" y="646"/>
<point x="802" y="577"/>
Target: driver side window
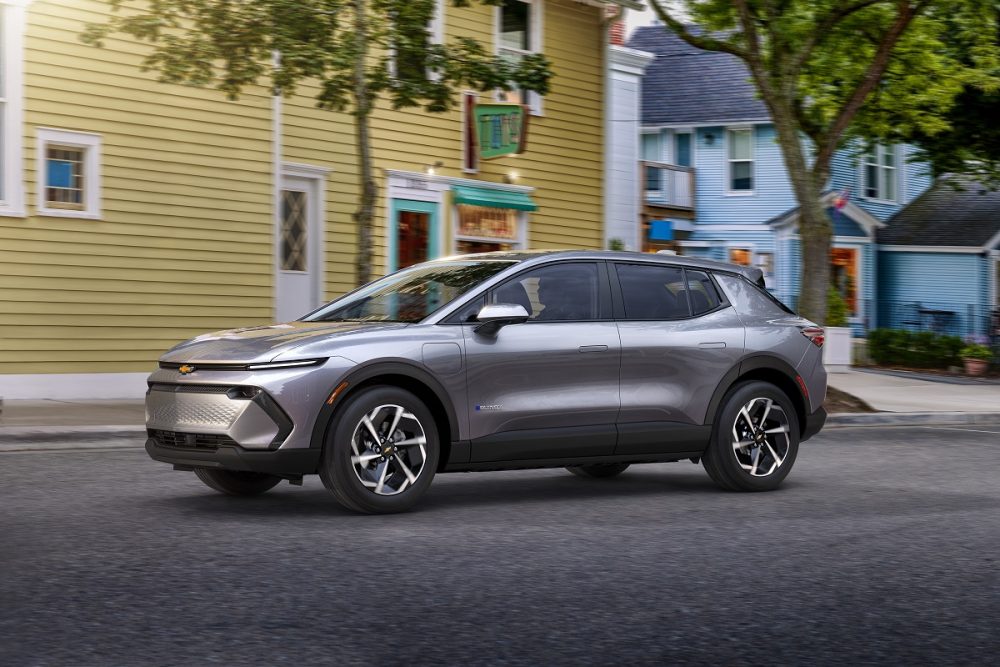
<point x="561" y="292"/>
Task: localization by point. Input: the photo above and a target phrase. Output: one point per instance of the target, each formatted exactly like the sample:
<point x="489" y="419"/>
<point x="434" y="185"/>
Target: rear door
<point x="547" y="388"/>
<point x="679" y="338"/>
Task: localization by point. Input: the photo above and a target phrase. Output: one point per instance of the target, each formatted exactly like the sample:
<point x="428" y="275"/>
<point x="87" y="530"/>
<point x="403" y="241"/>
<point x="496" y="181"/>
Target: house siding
<point x="913" y="179"/>
<point x="184" y="241"/>
<point x="935" y="280"/>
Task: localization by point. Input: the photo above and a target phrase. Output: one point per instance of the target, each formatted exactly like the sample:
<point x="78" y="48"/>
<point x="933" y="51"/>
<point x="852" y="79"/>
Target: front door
<point x="413" y="233"/>
<point x="297" y="283"/>
<point x="547" y="388"/>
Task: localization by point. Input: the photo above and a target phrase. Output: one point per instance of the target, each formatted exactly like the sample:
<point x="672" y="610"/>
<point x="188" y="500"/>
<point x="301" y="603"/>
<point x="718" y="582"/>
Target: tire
<point x="599" y="470"/>
<point x="743" y="455"/>
<point x="237" y="482"/>
<point x="390" y="474"/>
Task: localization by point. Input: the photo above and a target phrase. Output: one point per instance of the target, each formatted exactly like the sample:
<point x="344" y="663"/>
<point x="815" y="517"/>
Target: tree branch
<point x="871" y="78"/>
<point x="823" y="29"/>
<point x="699" y="41"/>
<point x="754" y="59"/>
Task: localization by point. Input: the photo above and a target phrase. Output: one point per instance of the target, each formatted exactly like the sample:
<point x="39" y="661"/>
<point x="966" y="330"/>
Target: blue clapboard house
<point x="715" y="186"/>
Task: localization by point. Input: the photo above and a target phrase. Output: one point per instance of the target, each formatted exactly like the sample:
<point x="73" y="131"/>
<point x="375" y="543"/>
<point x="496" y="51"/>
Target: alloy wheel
<point x="388" y="450"/>
<point x="760" y="437"/>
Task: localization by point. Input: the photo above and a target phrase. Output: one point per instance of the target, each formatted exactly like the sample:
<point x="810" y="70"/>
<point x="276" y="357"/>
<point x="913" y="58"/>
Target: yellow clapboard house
<point x="135" y="214"/>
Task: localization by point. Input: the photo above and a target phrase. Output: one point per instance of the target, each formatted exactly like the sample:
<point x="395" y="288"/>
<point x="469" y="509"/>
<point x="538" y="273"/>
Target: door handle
<point x="712" y="346"/>
<point x="593" y="348"/>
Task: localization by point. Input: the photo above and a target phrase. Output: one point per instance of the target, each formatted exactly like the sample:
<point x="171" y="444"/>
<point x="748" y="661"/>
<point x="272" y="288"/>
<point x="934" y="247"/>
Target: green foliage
<point x="914" y="349"/>
<point x="836" y="308"/>
<point x="616" y="244"/>
<point x="976" y="351"/>
<point x="230" y="46"/>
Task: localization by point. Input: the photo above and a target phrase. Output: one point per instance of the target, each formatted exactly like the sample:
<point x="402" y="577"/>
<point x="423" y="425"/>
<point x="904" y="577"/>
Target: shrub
<point x="976" y="351"/>
<point x="616" y="244"/>
<point x="836" y="308"/>
<point x="916" y="349"/>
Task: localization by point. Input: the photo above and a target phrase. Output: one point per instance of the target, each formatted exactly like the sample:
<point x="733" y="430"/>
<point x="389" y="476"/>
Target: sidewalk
<point x="896" y="393"/>
<point x="78" y="424"/>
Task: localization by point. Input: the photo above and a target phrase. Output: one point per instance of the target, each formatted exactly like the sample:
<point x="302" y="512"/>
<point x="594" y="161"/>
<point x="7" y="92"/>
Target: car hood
<point x="264" y="343"/>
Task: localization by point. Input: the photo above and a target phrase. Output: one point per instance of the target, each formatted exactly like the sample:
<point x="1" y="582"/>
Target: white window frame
<point x="536" y="32"/>
<point x="437" y="23"/>
<point x="881" y="168"/>
<point x="729" y="162"/>
<point x="90" y="143"/>
<point x="12" y="22"/>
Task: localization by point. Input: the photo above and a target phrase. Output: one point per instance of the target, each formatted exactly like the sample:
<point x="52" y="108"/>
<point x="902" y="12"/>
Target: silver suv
<point x="589" y="360"/>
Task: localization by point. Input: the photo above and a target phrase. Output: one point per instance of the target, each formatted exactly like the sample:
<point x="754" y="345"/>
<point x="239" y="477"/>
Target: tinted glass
<point x="409" y="295"/>
<point x="704" y="296"/>
<point x="563" y="292"/>
<point x="652" y="292"/>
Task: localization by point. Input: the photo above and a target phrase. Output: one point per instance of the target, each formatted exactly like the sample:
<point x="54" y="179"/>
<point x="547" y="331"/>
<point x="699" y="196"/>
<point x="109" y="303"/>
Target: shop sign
<point x="501" y="129"/>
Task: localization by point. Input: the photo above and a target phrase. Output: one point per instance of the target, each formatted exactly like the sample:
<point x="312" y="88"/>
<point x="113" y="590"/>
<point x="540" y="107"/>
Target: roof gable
<point x="946" y="216"/>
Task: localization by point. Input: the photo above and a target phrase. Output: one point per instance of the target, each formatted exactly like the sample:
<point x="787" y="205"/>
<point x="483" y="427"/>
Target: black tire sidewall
<point x="724" y="458"/>
<point x="336" y="468"/>
<point x="237" y="483"/>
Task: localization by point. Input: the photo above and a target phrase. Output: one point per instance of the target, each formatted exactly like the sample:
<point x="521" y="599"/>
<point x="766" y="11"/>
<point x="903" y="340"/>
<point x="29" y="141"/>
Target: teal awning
<point x="491" y="198"/>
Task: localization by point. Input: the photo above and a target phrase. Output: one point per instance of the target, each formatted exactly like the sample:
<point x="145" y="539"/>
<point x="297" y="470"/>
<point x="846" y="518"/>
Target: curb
<point x="844" y="419"/>
<point x="25" y="438"/>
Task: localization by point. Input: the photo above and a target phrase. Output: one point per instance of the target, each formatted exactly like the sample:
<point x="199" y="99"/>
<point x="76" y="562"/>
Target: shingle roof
<point x="945" y="216"/>
<point x="687" y="85"/>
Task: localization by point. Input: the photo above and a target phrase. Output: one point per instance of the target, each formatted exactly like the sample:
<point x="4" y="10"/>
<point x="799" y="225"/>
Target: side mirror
<point x="495" y="316"/>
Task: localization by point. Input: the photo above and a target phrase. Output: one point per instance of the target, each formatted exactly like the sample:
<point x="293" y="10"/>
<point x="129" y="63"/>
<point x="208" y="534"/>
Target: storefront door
<point x="413" y="233"/>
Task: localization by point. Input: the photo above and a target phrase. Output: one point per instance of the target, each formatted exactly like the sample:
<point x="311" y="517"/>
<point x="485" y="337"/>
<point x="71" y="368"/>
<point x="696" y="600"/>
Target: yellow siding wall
<point x="564" y="159"/>
<point x="184" y="243"/>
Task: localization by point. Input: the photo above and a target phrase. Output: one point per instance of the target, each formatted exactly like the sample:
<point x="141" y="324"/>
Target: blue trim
<point x="433" y="229"/>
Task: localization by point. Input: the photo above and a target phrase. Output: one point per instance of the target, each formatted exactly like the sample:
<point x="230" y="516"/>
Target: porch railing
<point x="666" y="184"/>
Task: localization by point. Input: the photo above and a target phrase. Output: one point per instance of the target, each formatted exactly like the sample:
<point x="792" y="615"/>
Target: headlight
<point x="274" y="365"/>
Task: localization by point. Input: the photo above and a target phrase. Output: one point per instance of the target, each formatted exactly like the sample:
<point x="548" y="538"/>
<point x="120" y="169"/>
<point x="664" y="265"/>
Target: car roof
<point x="752" y="274"/>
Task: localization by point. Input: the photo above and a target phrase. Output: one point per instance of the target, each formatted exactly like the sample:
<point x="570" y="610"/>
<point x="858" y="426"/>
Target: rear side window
<point x="653" y="292"/>
<point x="564" y="292"/>
<point x="704" y="296"/>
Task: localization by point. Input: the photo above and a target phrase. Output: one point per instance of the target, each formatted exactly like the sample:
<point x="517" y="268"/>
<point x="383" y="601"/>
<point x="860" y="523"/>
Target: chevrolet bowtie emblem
<point x="186" y="369"/>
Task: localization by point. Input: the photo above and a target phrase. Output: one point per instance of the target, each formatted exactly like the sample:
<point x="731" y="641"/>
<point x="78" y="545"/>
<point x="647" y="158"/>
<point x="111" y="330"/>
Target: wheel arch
<point x="395" y="374"/>
<point x="765" y="368"/>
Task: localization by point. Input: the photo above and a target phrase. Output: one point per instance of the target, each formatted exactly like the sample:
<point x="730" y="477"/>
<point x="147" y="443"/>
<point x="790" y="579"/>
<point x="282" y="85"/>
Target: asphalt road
<point x="881" y="547"/>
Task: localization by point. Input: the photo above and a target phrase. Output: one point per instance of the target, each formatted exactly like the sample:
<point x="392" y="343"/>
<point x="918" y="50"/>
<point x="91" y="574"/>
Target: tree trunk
<point x="365" y="214"/>
<point x="814" y="224"/>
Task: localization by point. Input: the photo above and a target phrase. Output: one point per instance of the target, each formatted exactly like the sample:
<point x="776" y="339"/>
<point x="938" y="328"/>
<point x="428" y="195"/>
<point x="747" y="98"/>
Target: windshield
<point x="409" y="295"/>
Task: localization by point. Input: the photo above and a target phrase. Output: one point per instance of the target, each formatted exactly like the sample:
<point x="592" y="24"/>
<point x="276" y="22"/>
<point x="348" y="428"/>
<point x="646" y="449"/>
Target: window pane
<point x="683" y="156"/>
<point x="740" y="256"/>
<point x="871" y="181"/>
<point x="889" y="191"/>
<point x="64" y="177"/>
<point x="652" y="292"/>
<point x="567" y="292"/>
<point x="653" y="180"/>
<point x="739" y="144"/>
<point x="742" y="176"/>
<point x="651" y="147"/>
<point x="703" y="295"/>
<point x="514" y="28"/>
<point x="889" y="156"/>
<point x="293" y="230"/>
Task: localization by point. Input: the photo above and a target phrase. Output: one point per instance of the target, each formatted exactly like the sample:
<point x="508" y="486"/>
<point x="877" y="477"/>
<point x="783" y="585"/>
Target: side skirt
<point x="528" y="464"/>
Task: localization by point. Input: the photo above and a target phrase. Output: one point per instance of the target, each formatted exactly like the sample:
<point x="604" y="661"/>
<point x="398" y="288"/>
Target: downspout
<point x="276" y="151"/>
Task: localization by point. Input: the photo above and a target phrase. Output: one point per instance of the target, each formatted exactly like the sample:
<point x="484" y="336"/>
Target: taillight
<point x="816" y="335"/>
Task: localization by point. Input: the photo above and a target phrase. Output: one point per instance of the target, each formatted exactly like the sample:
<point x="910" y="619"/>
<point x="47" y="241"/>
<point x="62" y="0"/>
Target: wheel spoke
<point x="410" y="477"/>
<point x="419" y="440"/>
<point x="381" y="479"/>
<point x="756" y="460"/>
<point x="395" y="421"/>
<point x="740" y="444"/>
<point x="778" y="429"/>
<point x="746" y="415"/>
<point x="767" y="410"/>
<point x="363" y="459"/>
<point x="367" y="421"/>
<point x="774" y="454"/>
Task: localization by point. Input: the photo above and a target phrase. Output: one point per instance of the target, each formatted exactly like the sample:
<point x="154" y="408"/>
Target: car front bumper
<point x="281" y="462"/>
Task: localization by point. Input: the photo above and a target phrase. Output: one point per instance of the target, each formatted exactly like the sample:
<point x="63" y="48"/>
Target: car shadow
<point x="455" y="491"/>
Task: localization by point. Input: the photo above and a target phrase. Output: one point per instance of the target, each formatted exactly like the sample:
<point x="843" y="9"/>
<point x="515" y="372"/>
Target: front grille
<point x="189" y="440"/>
<point x="191" y="388"/>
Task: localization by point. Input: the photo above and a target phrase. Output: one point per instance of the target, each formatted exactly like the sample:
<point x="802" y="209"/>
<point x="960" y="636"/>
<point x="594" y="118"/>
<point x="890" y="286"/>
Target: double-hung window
<point x="519" y="35"/>
<point x="879" y="173"/>
<point x="69" y="173"/>
<point x="740" y="155"/>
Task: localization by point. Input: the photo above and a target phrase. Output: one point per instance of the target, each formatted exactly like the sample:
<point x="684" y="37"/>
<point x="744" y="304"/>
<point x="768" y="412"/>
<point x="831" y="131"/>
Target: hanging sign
<point x="501" y="129"/>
